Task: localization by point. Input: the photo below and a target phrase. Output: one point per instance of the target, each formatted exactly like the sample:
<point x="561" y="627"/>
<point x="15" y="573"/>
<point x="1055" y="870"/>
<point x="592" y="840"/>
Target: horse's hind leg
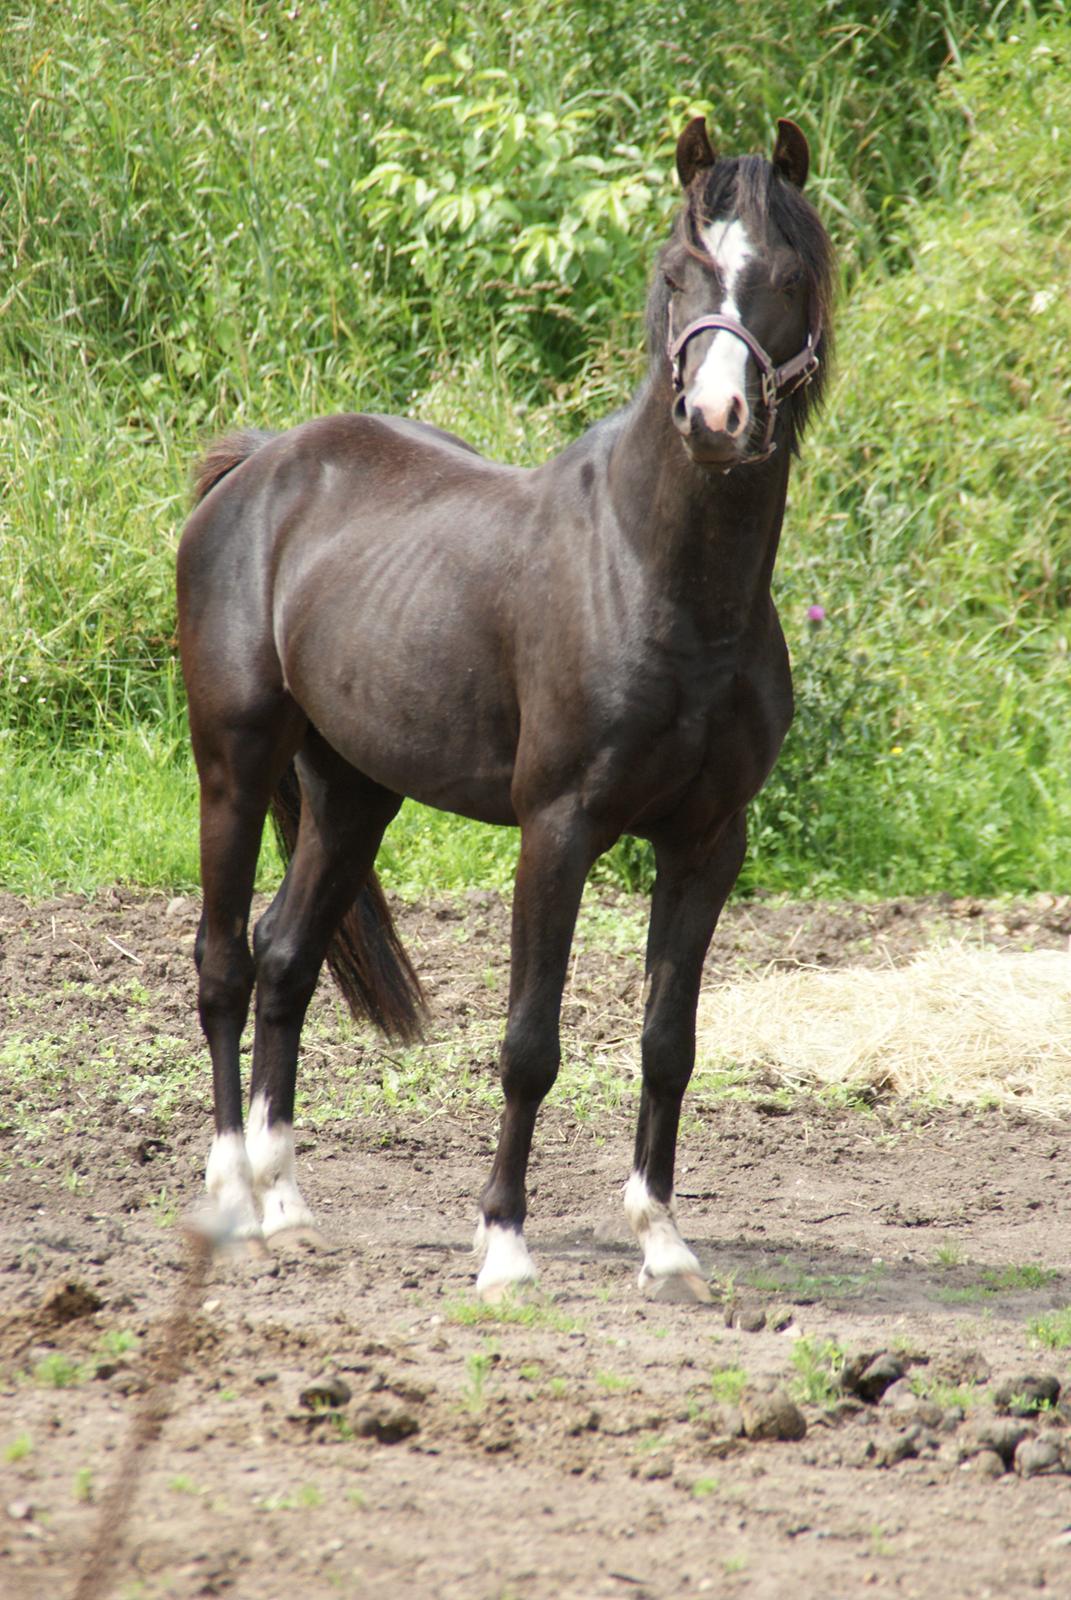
<point x="343" y="817"/>
<point x="238" y="762"/>
<point x="690" y="890"/>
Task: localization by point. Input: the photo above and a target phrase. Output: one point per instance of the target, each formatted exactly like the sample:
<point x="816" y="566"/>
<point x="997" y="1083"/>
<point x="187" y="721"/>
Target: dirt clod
<point x="771" y="1415"/>
<point x="868" y="1376"/>
<point x="328" y="1393"/>
<point x="1041" y="1455"/>
<point x="1024" y="1395"/>
<point x="68" y="1300"/>
<point x="387" y="1424"/>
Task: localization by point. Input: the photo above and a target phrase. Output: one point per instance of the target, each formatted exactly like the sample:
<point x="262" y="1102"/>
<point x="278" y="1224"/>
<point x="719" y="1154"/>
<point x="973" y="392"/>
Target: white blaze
<point x="721" y="381"/>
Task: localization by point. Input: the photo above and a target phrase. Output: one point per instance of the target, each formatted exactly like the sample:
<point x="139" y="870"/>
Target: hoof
<point x="507" y="1266"/>
<point x="300" y="1236"/>
<point x="518" y="1292"/>
<point x="679" y="1288"/>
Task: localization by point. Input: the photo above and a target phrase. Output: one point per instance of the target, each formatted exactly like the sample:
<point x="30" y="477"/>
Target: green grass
<point x="508" y="1312"/>
<point x="727" y="1384"/>
<point x="1053" y="1330"/>
<point x="217" y="214"/>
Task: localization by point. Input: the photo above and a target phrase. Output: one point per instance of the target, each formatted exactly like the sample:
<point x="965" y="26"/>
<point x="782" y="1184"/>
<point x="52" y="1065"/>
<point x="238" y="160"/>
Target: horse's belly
<point x="442" y="750"/>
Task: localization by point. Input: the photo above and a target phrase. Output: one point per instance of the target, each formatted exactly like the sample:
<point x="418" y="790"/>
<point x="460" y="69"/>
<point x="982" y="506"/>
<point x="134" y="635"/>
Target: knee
<point x="225" y="984"/>
<point x="285" y="975"/>
<point x="531" y="1056"/>
<point x="668" y="1053"/>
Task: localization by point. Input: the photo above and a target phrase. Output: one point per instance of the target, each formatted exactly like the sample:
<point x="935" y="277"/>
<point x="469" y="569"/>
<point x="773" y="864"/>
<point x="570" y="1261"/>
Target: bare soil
<point x="581" y="1445"/>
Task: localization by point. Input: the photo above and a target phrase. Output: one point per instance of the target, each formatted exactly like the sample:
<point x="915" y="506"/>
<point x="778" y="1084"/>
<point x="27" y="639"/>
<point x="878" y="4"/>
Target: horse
<point x="370" y="609"/>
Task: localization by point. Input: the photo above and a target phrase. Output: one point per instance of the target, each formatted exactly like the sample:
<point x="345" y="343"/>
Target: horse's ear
<point x="791" y="156"/>
<point x="694" y="151"/>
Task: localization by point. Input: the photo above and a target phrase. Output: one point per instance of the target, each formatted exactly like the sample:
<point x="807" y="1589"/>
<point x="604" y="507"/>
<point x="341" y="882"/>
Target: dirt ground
<point x="587" y="1442"/>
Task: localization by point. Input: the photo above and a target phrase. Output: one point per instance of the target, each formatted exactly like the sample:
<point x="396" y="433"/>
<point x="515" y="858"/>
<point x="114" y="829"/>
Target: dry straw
<point x="954" y="1024"/>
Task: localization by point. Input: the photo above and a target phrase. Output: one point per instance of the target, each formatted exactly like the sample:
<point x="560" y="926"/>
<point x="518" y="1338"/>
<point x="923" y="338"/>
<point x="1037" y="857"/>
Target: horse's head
<point x="740" y="307"/>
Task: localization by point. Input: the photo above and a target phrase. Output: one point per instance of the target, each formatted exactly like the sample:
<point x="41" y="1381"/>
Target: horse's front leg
<point x="691" y="887"/>
<point x="556" y="852"/>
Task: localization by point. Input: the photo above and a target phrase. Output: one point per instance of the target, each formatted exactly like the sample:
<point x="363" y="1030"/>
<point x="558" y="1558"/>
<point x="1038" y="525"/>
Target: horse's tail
<point x="366" y="956"/>
<point x="223" y="456"/>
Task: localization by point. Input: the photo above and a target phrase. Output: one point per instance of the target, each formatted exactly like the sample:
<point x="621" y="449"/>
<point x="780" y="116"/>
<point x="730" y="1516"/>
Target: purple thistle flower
<point x="816" y="615"/>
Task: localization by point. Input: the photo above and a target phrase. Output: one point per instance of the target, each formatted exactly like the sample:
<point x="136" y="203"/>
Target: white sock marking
<point x="665" y="1254"/>
<point x="229" y="1181"/>
<point x="274" y="1171"/>
<point x="506" y="1260"/>
<point x="722" y="376"/>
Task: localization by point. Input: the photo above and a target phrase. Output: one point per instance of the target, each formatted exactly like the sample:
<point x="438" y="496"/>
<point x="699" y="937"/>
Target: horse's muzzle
<point x="719" y="448"/>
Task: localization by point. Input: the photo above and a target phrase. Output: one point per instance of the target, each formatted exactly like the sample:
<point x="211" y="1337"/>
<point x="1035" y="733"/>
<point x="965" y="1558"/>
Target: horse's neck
<point x="708" y="539"/>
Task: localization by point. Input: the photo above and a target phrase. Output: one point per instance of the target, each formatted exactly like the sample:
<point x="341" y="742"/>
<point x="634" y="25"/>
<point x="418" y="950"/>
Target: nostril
<point x="736" y="420"/>
<point x="680" y="413"/>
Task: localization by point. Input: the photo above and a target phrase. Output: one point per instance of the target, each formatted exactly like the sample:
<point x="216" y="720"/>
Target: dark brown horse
<point x="370" y="609"/>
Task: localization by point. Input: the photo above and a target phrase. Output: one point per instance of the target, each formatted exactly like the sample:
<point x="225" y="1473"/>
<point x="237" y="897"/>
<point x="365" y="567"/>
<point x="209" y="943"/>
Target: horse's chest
<point x="714" y="725"/>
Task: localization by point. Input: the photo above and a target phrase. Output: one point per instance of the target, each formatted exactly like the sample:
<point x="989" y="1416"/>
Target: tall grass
<point x="224" y="213"/>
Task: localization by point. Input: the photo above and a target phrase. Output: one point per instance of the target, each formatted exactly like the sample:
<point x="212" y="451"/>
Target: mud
<point x="588" y="1442"/>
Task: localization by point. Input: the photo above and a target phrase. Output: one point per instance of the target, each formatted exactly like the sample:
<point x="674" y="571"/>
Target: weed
<point x="479" y="1367"/>
<point x="818" y="1368"/>
<point x="611" y="1382"/>
<point x="1029" y="1276"/>
<point x="727" y="1384"/>
<point x="19" y="1448"/>
<point x="163" y="1208"/>
<point x="83" y="1485"/>
<point x="57" y="1371"/>
<point x="948" y="1255"/>
<point x="182" y="1483"/>
<point x="1053" y="1330"/>
<point x="703" y="1487"/>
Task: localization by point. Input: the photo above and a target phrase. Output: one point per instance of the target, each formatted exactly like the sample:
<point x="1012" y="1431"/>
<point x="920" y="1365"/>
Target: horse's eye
<point x="671" y="282"/>
<point x="789" y="281"/>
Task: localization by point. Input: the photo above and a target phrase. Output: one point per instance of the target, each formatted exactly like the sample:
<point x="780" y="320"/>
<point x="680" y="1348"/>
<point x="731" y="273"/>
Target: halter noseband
<point x="776" y="383"/>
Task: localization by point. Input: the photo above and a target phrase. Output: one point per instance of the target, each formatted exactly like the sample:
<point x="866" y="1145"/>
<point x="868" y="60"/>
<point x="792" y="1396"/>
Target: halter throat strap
<point x="776" y="383"/>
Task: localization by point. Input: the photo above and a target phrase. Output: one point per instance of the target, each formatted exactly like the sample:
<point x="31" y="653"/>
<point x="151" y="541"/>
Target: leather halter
<point x="775" y="383"/>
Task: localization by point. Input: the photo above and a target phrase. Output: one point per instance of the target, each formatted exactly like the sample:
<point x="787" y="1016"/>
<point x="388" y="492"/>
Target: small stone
<point x="176" y="906"/>
<point x="1036" y="1456"/>
<point x="328" y="1393"/>
<point x="659" y="1466"/>
<point x="771" y="1415"/>
<point x="987" y="1464"/>
<point x="20" y="1510"/>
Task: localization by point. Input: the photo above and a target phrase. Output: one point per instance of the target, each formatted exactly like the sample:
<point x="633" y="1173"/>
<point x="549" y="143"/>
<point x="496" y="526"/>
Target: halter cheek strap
<point x="776" y="383"/>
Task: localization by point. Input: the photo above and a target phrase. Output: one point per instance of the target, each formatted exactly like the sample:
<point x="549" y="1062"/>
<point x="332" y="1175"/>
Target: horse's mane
<point x="750" y="188"/>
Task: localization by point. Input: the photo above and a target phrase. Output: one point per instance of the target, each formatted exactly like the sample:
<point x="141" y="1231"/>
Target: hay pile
<point x="955" y="1023"/>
